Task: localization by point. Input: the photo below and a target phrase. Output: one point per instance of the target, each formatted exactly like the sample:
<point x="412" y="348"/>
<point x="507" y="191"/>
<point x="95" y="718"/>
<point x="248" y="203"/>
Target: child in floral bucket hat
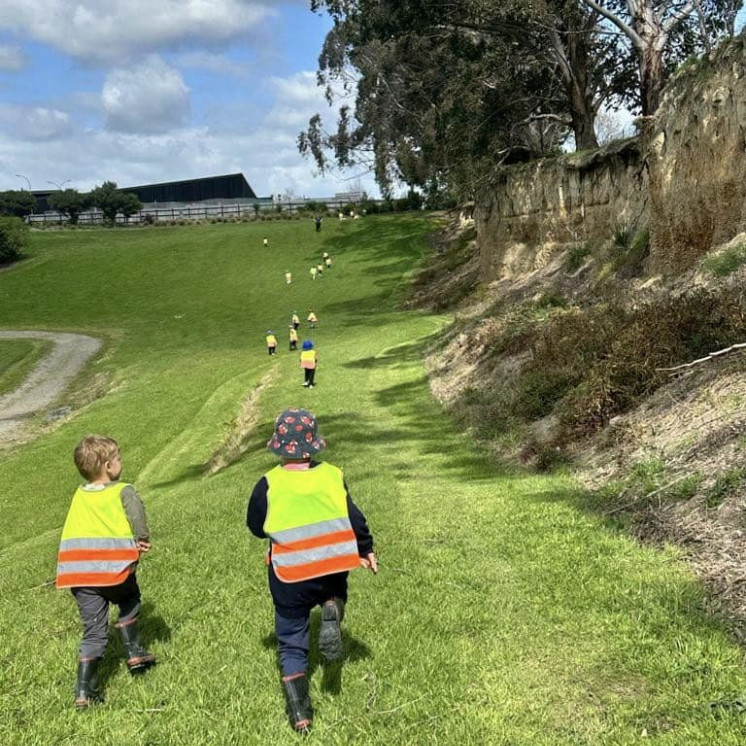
<point x="316" y="536"/>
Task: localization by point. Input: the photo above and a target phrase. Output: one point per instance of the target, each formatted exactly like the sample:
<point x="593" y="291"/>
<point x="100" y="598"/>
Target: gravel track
<point x="49" y="378"/>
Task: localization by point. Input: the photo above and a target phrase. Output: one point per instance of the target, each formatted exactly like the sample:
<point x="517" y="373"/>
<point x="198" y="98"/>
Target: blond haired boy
<point x="104" y="534"/>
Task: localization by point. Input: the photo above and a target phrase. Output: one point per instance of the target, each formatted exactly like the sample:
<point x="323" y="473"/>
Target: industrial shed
<point x="220" y="188"/>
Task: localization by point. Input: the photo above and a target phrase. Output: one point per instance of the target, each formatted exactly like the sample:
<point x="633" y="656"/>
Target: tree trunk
<point x="651" y="79"/>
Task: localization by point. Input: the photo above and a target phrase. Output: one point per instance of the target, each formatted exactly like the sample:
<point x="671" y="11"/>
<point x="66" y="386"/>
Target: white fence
<point x="196" y="212"/>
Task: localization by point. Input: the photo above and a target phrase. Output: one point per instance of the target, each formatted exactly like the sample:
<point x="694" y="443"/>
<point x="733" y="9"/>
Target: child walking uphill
<point x="309" y="359"/>
<point x="316" y="536"/>
<point x="105" y="533"/>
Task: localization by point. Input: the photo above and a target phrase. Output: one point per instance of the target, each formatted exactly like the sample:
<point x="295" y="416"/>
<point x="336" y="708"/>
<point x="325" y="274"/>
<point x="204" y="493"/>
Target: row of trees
<point x="443" y="91"/>
<point x="71" y="203"/>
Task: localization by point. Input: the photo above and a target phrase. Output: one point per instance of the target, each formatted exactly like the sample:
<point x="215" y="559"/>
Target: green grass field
<point x="17" y="360"/>
<point x="505" y="611"/>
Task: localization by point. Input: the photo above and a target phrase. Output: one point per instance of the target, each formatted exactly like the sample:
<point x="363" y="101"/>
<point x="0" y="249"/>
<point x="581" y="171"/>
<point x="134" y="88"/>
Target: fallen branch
<point x="711" y="356"/>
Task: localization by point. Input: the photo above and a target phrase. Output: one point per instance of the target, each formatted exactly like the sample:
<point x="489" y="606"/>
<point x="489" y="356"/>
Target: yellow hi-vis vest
<point x="97" y="546"/>
<point x="308" y="523"/>
<point x="293" y="335"/>
<point x="271" y="340"/>
<point x="308" y="359"/>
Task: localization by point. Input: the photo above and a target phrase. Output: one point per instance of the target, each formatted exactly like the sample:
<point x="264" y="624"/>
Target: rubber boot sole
<point x="330" y="635"/>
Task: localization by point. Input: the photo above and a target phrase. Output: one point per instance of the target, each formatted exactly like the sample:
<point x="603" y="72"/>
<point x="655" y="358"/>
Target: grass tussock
<point x="726" y="262"/>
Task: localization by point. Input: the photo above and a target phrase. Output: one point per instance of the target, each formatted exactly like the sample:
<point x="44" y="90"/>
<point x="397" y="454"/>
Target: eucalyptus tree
<point x="662" y="32"/>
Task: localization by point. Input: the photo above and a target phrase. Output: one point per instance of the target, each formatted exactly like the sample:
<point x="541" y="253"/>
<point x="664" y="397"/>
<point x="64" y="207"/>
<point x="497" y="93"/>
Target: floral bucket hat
<point x="295" y="435"/>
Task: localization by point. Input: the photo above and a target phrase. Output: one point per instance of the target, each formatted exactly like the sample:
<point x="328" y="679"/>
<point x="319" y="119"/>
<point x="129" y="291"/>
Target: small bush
<point x="552" y="299"/>
<point x="725" y="485"/>
<point x="14" y="238"/>
<point x="726" y="262"/>
<point x="629" y="260"/>
<point x="576" y="257"/>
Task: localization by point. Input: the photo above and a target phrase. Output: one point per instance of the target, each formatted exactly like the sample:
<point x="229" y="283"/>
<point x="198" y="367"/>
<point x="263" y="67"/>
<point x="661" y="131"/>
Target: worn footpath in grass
<point x="504" y="611"/>
<point x="17" y="359"/>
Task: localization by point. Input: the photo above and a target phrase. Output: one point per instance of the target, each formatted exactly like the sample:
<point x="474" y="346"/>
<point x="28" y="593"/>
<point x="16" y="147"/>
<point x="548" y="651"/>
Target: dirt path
<point x="48" y="379"/>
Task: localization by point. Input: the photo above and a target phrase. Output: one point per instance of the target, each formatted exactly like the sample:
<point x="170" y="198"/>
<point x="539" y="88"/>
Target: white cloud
<point x="150" y="97"/>
<point x="263" y="148"/>
<point x="214" y="63"/>
<point x="34" y="122"/>
<point x="298" y="88"/>
<point x="115" y="30"/>
<point x="12" y="59"/>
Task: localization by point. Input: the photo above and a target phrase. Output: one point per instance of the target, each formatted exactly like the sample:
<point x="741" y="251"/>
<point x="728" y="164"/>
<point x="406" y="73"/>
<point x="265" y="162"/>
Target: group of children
<point x="303" y="507"/>
<point x="318" y="270"/>
<point x="308" y="356"/>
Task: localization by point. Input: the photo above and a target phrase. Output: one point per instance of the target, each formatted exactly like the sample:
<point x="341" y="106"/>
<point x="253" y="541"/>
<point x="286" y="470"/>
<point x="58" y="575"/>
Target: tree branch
<point x="628" y="31"/>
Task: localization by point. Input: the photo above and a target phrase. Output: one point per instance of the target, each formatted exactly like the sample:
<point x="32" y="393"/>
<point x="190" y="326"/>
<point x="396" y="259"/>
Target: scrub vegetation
<point x="505" y="611"/>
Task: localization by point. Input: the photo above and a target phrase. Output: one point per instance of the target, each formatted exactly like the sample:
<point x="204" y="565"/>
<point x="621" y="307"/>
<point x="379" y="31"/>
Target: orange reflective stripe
<point x="91" y="579"/>
<point x="336" y="537"/>
<point x="82" y="555"/>
<point x="296" y="573"/>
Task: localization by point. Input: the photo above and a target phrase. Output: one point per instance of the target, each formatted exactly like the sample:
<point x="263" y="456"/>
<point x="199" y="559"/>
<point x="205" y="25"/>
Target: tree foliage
<point x="111" y="201"/>
<point x="17" y="202"/>
<point x="14" y="236"/>
<point x="444" y="91"/>
<point x="70" y="203"/>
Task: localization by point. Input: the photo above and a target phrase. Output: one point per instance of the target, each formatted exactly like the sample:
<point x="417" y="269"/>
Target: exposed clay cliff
<point x="684" y="179"/>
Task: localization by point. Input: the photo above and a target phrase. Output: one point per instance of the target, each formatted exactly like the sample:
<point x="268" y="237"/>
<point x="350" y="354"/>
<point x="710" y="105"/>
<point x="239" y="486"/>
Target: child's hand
<point x="369" y="562"/>
<point x="143" y="546"/>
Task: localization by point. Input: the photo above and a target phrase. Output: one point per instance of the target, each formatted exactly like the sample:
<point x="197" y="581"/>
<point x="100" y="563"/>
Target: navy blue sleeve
<point x="359" y="526"/>
<point x="257" y="511"/>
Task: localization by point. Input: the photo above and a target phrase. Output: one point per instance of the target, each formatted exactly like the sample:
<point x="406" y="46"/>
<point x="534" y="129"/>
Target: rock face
<point x="696" y="154"/>
<point x="684" y="178"/>
<point x="537" y="208"/>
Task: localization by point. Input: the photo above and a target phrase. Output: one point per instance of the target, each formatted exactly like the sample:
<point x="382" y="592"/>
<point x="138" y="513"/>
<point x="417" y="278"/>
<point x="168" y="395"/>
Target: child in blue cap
<point x="308" y="361"/>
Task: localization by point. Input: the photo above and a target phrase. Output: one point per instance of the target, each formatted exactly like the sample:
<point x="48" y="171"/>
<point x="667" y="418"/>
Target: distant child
<point x="293" y="336"/>
<point x="317" y="220"/>
<point x="316" y="536"/>
<point x="312" y="320"/>
<point x="328" y="261"/>
<point x="313" y="273"/>
<point x="295" y="320"/>
<point x="266" y="241"/>
<point x="104" y="534"/>
<point x="288" y="277"/>
<point x="309" y="359"/>
<point x="320" y="268"/>
<point x="271" y="342"/>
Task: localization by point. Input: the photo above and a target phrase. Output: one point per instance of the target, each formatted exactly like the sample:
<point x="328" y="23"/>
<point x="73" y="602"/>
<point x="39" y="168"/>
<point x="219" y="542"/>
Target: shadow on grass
<point x="354" y="650"/>
<point x="190" y="473"/>
<point x="153" y="628"/>
<point x="686" y="599"/>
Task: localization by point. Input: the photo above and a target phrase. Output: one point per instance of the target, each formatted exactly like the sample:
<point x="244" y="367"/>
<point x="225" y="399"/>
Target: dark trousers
<point x="271" y="350"/>
<point x="294" y="345"/>
<point x="293" y="604"/>
<point x="310" y="374"/>
<point x="93" y="604"/>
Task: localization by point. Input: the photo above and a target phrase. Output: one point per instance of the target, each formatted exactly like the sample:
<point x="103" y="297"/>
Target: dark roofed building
<point x="230" y="186"/>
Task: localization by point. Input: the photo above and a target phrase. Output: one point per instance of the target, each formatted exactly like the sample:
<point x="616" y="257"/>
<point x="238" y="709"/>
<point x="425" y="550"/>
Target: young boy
<point x="271" y="342"/>
<point x="312" y="320"/>
<point x="288" y="277"/>
<point x="313" y="273"/>
<point x="105" y="533"/>
<point x="295" y="320"/>
<point x="316" y="536"/>
<point x="293" y="337"/>
<point x="309" y="359"/>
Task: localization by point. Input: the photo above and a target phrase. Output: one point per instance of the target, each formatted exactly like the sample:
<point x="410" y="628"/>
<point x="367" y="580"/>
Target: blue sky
<point x="139" y="91"/>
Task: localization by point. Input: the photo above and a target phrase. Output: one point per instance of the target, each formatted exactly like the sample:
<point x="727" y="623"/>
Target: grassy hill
<point x="504" y="613"/>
